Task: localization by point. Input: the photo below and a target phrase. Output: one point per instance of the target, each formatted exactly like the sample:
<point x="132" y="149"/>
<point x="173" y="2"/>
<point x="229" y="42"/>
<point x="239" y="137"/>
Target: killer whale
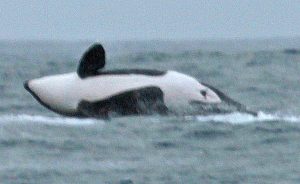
<point x="95" y="92"/>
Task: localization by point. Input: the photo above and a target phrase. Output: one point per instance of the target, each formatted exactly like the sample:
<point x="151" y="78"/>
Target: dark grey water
<point x="38" y="146"/>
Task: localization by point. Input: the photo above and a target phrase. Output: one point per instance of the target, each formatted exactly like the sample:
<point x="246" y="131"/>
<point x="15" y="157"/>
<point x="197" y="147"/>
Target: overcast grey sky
<point x="148" y="19"/>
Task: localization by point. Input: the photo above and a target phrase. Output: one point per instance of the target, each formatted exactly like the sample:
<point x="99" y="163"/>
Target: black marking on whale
<point x="92" y="60"/>
<point x="133" y="71"/>
<point x="143" y="101"/>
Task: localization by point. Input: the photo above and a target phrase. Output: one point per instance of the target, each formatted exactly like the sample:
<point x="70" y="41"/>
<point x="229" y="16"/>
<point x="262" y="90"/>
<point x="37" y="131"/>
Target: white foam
<point x="25" y="118"/>
<point x="233" y="118"/>
<point x="242" y="118"/>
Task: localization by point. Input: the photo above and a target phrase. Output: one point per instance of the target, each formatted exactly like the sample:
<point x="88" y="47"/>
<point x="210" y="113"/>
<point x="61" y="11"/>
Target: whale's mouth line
<point x="26" y="86"/>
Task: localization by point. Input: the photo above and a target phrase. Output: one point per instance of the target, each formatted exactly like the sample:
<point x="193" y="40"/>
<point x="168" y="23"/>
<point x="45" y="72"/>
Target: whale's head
<point x="54" y="92"/>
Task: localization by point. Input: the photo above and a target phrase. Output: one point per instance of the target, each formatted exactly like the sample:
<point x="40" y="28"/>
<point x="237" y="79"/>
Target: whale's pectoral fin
<point x="92" y="60"/>
<point x="239" y="107"/>
<point x="143" y="101"/>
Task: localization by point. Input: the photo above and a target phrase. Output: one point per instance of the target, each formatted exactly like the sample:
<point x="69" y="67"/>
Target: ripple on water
<point x="50" y="145"/>
<point x="208" y="134"/>
<point x="275" y="140"/>
<point x="164" y="144"/>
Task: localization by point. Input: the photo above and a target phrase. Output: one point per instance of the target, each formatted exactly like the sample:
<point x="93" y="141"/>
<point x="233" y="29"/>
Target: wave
<point x="164" y="56"/>
<point x="232" y="118"/>
<point x="243" y="118"/>
<point x="292" y="51"/>
<point x="25" y="118"/>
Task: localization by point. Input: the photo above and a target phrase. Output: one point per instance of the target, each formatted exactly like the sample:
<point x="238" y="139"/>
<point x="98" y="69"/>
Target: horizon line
<point x="274" y="38"/>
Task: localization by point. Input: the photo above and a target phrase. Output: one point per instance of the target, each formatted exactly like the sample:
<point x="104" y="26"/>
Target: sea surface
<point x="39" y="146"/>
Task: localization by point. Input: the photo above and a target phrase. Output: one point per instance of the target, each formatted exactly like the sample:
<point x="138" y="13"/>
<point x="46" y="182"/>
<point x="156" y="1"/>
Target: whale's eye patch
<point x="203" y="93"/>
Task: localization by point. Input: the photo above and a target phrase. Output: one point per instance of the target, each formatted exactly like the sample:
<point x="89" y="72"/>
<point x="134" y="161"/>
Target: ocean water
<point x="38" y="146"/>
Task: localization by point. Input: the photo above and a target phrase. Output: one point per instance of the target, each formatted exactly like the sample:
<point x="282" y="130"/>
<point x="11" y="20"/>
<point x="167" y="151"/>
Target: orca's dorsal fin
<point x="91" y="61"/>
